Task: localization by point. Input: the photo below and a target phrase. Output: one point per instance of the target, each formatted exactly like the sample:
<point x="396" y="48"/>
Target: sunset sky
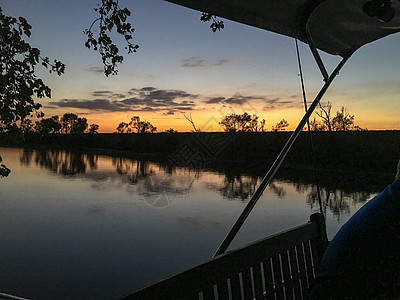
<point x="182" y="67"/>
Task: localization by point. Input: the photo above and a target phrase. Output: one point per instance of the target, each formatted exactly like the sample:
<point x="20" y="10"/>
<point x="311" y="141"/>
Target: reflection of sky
<point x="180" y="56"/>
<point x="94" y="234"/>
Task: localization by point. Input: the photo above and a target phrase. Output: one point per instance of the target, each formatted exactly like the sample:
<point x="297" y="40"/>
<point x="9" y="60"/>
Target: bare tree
<point x="325" y="114"/>
<point x="192" y="122"/>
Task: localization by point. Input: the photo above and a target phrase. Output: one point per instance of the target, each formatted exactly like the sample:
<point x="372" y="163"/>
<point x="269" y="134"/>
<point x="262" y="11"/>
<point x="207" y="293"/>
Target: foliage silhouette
<point x="342" y="121"/>
<point x="280" y="126"/>
<point x="19" y="83"/>
<point x="111" y="16"/>
<point x="93" y="129"/>
<point x="71" y="123"/>
<point x="48" y="125"/>
<point x="136" y="125"/>
<point x="242" y="123"/>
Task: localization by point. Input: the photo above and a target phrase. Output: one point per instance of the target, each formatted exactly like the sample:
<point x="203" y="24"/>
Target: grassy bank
<point x="370" y="150"/>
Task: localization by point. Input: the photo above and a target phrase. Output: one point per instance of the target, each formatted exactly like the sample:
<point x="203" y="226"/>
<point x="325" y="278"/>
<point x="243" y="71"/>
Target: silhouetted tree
<point x="123" y="128"/>
<point x="136" y="125"/>
<point x="343" y="121"/>
<point x="325" y="114"/>
<point x="243" y="122"/>
<point x="93" y="129"/>
<point x="19" y="84"/>
<point x="280" y="126"/>
<point x="73" y="124"/>
<point x="171" y="130"/>
<point x="192" y="122"/>
<point x="48" y="125"/>
<point x="315" y="125"/>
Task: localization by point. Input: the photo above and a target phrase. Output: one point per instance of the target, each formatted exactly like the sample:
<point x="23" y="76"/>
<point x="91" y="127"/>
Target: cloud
<point x="236" y="99"/>
<point x="271" y="104"/>
<point x="199" y="62"/>
<point x="221" y="62"/>
<point x="96" y="70"/>
<point x="193" y="62"/>
<point x="101" y="93"/>
<point x="144" y="99"/>
<point x="215" y="100"/>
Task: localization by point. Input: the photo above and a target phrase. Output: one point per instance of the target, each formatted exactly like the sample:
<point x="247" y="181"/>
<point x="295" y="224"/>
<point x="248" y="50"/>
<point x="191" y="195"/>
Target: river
<point x="91" y="226"/>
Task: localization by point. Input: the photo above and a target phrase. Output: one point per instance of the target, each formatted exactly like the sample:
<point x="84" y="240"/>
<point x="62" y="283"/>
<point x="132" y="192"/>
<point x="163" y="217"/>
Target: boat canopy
<point x="338" y="27"/>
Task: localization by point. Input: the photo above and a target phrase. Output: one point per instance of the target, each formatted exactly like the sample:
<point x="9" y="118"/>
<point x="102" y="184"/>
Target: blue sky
<point x="182" y="67"/>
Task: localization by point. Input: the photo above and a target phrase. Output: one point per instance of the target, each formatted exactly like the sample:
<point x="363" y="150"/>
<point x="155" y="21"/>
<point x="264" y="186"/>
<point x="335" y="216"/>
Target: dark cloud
<point x="101" y="93"/>
<point x="271" y="104"/>
<point x="193" y="62"/>
<point x="236" y="99"/>
<point x="96" y="70"/>
<point x="144" y="99"/>
<point x="96" y="104"/>
<point x="221" y="62"/>
<point x="198" y="62"/>
<point x="215" y="100"/>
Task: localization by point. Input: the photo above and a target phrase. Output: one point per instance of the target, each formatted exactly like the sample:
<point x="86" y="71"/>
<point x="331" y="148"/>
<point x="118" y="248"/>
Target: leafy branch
<point x="216" y="24"/>
<point x="111" y="16"/>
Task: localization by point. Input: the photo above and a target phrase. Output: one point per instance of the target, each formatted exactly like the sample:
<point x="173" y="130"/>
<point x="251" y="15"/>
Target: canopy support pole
<point x="316" y="55"/>
<point x="277" y="163"/>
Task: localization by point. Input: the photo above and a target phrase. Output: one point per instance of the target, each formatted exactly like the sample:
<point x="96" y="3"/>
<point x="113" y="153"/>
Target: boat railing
<point x="280" y="266"/>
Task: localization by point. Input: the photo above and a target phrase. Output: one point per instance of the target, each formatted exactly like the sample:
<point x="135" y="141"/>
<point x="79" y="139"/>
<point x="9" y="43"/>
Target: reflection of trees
<point x="239" y="187"/>
<point x="133" y="170"/>
<point x="61" y="162"/>
<point x="336" y="200"/>
<point x="242" y="187"/>
<point x="278" y="190"/>
<point x="159" y="190"/>
<point x="339" y="191"/>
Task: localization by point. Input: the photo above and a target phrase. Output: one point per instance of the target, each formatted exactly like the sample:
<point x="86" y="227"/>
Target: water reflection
<point x="132" y="171"/>
<point x="60" y="162"/>
<point x="239" y="187"/>
<point x="158" y="183"/>
<point x="337" y="201"/>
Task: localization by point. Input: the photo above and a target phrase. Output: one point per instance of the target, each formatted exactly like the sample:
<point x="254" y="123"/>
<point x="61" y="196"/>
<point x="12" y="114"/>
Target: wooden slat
<point x="247" y="284"/>
<point x="309" y="264"/>
<point x="235" y="287"/>
<point x="222" y="287"/>
<point x="269" y="281"/>
<point x="288" y="283"/>
<point x="295" y="273"/>
<point x="276" y="265"/>
<point x="258" y="284"/>
<point x="302" y="269"/>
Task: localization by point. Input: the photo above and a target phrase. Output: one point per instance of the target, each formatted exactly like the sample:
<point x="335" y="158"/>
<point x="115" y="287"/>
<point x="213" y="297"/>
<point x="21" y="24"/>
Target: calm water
<point x="78" y="226"/>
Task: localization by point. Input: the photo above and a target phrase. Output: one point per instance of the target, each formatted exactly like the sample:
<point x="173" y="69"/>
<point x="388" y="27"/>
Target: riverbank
<point x="368" y="150"/>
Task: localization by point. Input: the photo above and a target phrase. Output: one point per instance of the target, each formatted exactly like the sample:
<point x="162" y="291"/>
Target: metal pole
<point x="277" y="163"/>
<point x="316" y="55"/>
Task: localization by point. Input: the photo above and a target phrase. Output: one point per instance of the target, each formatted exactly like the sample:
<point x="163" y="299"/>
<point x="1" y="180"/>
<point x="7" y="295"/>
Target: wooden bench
<point x="281" y="266"/>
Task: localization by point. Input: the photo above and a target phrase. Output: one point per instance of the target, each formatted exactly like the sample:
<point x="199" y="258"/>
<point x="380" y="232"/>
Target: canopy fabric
<point x="338" y="27"/>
